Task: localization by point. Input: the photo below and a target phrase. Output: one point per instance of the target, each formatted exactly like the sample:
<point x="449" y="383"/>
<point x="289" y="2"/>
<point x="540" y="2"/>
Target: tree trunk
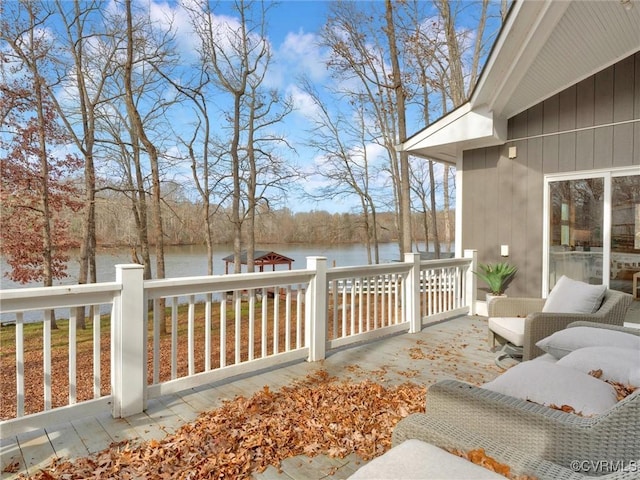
<point x="47" y="248"/>
<point x="405" y="183"/>
<point x="138" y="126"/>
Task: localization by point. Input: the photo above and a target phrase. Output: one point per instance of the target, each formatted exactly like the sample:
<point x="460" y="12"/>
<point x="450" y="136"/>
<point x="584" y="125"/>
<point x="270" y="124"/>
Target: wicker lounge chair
<point x="538" y="324"/>
<point x="456" y="438"/>
<point x="522" y="426"/>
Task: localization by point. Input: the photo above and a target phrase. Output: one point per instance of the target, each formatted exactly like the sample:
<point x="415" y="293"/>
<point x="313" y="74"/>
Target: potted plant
<point x="497" y="276"/>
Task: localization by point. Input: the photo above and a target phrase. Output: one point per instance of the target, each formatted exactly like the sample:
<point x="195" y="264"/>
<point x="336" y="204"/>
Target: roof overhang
<point x="465" y="128"/>
<point x="544" y="47"/>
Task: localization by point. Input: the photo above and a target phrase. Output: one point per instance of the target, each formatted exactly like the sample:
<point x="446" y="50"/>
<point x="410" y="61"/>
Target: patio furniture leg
<point x="508" y="350"/>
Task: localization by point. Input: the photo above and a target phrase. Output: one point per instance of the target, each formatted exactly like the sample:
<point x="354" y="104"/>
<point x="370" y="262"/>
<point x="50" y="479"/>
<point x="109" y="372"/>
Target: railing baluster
<point x="207" y="332"/>
<point x="157" y="318"/>
<point x="360" y="297"/>
<point x="223" y="331"/>
<point x="20" y="364"/>
<point x="174" y="337"/>
<point x="334" y="290"/>
<point x="369" y="303"/>
<point x="238" y="327"/>
<point x="299" y="297"/>
<point x="264" y="329"/>
<point x="397" y="299"/>
<point x="97" y="352"/>
<point x="287" y="316"/>
<point x="353" y="305"/>
<point x="191" y="317"/>
<point x="276" y="320"/>
<point x="72" y="356"/>
<point x="375" y="302"/>
<point x="252" y="319"/>
<point x="383" y="301"/>
<point x="46" y="332"/>
<point x="343" y="316"/>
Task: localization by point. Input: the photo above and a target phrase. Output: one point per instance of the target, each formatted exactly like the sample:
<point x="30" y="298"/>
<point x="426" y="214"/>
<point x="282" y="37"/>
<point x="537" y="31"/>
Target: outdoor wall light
<point x="627" y="4"/>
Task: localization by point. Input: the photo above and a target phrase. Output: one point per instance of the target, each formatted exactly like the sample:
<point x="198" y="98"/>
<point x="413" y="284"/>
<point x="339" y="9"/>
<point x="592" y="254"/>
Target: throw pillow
<point x="555" y="386"/>
<point x="572" y="296"/>
<point x="620" y="365"/>
<point x="565" y="341"/>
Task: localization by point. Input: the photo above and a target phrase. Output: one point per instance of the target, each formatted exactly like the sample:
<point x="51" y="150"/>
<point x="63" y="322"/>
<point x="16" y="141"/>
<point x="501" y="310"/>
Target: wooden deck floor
<point x="455" y="348"/>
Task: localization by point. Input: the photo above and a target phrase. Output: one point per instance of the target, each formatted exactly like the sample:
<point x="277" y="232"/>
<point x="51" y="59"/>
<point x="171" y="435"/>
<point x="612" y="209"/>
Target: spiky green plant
<point x="496" y="275"/>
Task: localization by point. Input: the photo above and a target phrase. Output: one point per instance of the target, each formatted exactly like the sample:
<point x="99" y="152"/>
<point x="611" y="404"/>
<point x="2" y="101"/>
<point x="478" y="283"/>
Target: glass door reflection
<point x="576" y="230"/>
<point x="625" y="232"/>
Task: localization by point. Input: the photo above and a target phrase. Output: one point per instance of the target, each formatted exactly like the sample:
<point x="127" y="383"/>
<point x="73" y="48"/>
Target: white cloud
<point x="298" y="54"/>
<point x="303" y="102"/>
<point x="175" y="17"/>
<point x="302" y="51"/>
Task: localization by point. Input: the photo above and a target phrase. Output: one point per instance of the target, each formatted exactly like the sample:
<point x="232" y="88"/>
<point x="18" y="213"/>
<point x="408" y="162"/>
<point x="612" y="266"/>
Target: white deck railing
<point x="162" y="336"/>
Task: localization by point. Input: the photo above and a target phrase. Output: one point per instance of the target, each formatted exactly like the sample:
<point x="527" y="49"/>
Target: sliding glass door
<point x="576" y="230"/>
<point x="625" y="232"/>
<point x="592" y="228"/>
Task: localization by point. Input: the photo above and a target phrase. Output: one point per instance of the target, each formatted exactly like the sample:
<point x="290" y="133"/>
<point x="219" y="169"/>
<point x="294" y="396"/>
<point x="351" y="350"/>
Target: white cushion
<point x="572" y="296"/>
<point x="566" y="341"/>
<point x="552" y="384"/>
<point x="545" y="357"/>
<point x="414" y="459"/>
<point x="509" y="328"/>
<point x="617" y="364"/>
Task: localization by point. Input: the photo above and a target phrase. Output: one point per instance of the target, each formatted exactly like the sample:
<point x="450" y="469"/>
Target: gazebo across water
<point x="260" y="259"/>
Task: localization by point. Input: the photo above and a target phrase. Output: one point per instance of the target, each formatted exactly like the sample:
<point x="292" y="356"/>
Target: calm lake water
<point x="190" y="260"/>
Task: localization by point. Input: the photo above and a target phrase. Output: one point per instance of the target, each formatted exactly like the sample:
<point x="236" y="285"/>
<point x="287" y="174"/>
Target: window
<point x="592" y="228"/>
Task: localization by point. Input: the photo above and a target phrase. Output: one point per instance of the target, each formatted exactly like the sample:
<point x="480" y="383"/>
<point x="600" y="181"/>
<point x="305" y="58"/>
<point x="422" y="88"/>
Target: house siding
<point x="588" y="126"/>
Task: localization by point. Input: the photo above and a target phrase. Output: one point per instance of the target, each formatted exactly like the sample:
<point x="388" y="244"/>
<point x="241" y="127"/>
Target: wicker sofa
<point x="459" y="415"/>
<point x="539" y="324"/>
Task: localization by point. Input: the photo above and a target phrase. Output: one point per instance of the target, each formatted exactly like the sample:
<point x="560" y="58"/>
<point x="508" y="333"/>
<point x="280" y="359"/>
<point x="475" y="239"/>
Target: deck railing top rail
<point x="222" y="283"/>
<point x="39" y="298"/>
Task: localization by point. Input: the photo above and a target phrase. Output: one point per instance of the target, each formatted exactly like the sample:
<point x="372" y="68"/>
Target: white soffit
<point x="543" y="48"/>
<point x="589" y="36"/>
<point x="462" y="129"/>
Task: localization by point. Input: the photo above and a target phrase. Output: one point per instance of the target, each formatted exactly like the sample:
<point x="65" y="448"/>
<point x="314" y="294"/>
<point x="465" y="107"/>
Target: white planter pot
<point x="491" y="296"/>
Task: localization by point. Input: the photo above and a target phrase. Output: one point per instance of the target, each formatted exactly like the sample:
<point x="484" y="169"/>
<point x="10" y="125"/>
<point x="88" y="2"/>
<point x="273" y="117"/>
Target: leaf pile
<point x="622" y="390"/>
<point x="318" y="415"/>
<point x="479" y="457"/>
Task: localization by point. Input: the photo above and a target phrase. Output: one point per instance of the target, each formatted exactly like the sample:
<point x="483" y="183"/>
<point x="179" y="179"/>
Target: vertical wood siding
<point x="581" y="128"/>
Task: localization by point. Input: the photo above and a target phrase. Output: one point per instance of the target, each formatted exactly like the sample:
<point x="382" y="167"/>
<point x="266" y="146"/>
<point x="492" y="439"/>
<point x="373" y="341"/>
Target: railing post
<point x="316" y="309"/>
<point x="128" y="345"/>
<point x="471" y="281"/>
<point x="412" y="293"/>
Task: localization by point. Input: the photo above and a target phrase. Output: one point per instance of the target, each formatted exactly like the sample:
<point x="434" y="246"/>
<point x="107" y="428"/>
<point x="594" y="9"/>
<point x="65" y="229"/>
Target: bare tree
<point x="141" y="133"/>
<point x="199" y="147"/>
<point x="238" y="56"/>
<point x="399" y="93"/>
<point x="84" y="76"/>
<point x="443" y="62"/>
<point x="362" y="48"/>
<point x="266" y="174"/>
<point x="343" y="145"/>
